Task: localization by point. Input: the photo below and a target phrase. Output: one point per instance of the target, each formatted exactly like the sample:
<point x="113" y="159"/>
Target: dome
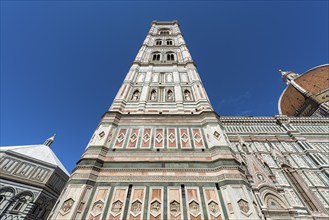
<point x="305" y="93"/>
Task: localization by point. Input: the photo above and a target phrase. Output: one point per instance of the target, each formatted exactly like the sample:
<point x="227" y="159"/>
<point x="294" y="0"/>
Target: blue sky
<point x="62" y="62"/>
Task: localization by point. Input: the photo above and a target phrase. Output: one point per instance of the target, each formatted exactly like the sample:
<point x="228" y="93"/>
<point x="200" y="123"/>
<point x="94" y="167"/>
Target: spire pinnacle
<point x="49" y="141"/>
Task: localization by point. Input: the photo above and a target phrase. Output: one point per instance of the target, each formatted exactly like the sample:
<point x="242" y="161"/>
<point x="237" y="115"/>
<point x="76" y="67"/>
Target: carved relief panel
<point x="117" y="203"/>
<point x="98" y="203"/>
<point x="156" y="203"/>
<point x="175" y="207"/>
<point x="70" y="202"/>
<point x="194" y="203"/>
<point x="136" y="206"/>
<point x="214" y="211"/>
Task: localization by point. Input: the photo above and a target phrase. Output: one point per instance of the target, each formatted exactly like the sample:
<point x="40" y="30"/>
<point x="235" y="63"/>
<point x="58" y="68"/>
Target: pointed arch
<point x="302" y="189"/>
<point x="187" y="95"/>
<point x="153" y="95"/>
<point x="135" y="96"/>
<point x="170" y="95"/>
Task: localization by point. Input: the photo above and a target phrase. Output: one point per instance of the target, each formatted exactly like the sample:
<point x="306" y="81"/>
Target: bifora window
<point x="156" y="56"/>
<point x="169" y="42"/>
<point x="158" y="42"/>
<point x="170" y="57"/>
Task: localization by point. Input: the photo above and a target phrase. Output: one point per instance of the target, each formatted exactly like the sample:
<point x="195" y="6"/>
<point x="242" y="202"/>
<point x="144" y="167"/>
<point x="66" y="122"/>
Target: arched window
<point x="169" y="42"/>
<point x="158" y="42"/>
<point x="156" y="57"/>
<point x="170" y="57"/>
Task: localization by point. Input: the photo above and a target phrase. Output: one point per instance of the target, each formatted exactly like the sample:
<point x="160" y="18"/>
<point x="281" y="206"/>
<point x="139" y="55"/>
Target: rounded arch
<point x="169" y="42"/>
<point x="158" y="42"/>
<point x="7" y="189"/>
<point x="25" y="195"/>
<point x="156" y="56"/>
<point x="170" y="55"/>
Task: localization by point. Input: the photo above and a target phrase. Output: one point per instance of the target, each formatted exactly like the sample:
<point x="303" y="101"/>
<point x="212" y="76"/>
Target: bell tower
<point x="163" y="77"/>
<point x="159" y="152"/>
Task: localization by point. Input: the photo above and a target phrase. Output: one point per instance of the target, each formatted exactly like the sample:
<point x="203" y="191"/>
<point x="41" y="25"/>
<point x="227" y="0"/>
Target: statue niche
<point x="170" y="95"/>
<point x="135" y="96"/>
<point x="187" y="95"/>
<point x="153" y="95"/>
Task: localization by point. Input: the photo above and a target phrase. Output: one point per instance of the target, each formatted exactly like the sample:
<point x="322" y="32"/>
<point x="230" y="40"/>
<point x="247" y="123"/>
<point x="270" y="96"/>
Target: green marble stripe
<point x="108" y="203"/>
<point x="85" y="212"/>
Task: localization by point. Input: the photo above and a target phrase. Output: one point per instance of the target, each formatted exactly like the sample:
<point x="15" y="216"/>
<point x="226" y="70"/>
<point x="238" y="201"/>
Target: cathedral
<point x="161" y="152"/>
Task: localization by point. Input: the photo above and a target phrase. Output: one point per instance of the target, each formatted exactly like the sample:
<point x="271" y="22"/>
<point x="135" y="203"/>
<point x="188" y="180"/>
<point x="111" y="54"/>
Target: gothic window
<point x="135" y="95"/>
<point x="169" y="42"/>
<point x="158" y="42"/>
<point x="156" y="57"/>
<point x="170" y="57"/>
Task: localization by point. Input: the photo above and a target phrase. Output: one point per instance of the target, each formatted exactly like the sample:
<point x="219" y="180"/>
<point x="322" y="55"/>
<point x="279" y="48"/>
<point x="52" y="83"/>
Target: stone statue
<point x="153" y="95"/>
<point x="187" y="95"/>
<point x="169" y="95"/>
<point x="135" y="96"/>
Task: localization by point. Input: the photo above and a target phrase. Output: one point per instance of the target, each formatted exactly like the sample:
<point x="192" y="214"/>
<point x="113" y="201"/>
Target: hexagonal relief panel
<point x="136" y="207"/>
<point x="97" y="208"/>
<point x="116" y="207"/>
<point x="174" y="207"/>
<point x="244" y="206"/>
<point x="213" y="208"/>
<point x="67" y="205"/>
<point x="155" y="208"/>
<point x="194" y="208"/>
